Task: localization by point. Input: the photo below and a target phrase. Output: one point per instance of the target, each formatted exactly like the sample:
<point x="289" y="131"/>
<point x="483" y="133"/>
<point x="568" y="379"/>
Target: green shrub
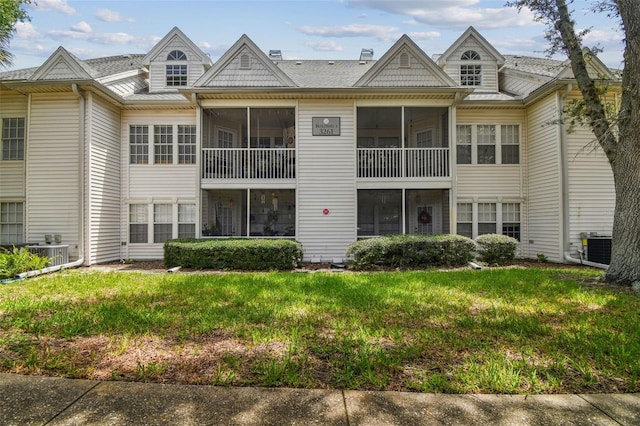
<point x="410" y="251"/>
<point x="233" y="254"/>
<point x="496" y="249"/>
<point x="18" y="260"/>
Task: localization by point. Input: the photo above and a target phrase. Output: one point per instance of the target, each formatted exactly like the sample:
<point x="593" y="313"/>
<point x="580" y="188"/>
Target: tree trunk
<point x="625" y="252"/>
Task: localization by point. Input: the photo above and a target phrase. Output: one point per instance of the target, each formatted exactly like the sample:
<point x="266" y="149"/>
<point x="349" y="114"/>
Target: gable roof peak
<point x="173" y="33"/>
<point x="242" y="44"/>
<point x="62" y="65"/>
<point x="406" y="43"/>
<point x="471" y="32"/>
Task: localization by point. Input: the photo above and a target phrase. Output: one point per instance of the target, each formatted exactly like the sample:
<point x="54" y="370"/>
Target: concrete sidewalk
<point x="33" y="400"/>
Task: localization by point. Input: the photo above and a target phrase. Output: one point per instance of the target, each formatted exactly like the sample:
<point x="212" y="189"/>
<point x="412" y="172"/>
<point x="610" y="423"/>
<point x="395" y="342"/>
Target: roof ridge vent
<point x="366" y="54"/>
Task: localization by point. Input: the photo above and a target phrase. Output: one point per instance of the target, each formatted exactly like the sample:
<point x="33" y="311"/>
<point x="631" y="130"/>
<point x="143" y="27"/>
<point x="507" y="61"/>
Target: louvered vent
<point x="404" y="60"/>
<point x="245" y="62"/>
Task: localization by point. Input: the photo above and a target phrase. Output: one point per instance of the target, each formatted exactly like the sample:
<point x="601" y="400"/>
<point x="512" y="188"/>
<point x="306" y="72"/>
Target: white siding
<point x="487" y="61"/>
<point x="104" y="186"/>
<point x="257" y="75"/>
<point x="415" y="75"/>
<point x="500" y="180"/>
<point x="326" y="180"/>
<point x="53" y="169"/>
<point x="489" y="181"/>
<point x="591" y="188"/>
<point x="12" y="178"/>
<point x="148" y="183"/>
<point x="544" y="181"/>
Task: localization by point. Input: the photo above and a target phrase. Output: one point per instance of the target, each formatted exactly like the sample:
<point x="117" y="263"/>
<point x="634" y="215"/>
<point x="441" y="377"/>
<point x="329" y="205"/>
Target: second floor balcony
<point x="280" y="163"/>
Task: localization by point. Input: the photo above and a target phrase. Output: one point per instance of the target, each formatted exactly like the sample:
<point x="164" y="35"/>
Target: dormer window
<point x="245" y="62"/>
<point x="470" y="74"/>
<point x="176" y="73"/>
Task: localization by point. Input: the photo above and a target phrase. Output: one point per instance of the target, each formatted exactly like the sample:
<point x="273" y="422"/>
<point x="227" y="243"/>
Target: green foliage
<point x="233" y="254"/>
<point x="496" y="249"/>
<point x="11" y="12"/>
<point x="411" y="251"/>
<point x="18" y="260"/>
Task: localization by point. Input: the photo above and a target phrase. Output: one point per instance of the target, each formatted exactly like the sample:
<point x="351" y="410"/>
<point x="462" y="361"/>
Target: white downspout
<point x="565" y="190"/>
<point x="80" y="261"/>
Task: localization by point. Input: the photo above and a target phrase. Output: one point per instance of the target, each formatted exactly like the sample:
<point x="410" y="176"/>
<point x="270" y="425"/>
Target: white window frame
<point x="162" y="217"/>
<point x="509" y="137"/>
<point x="487" y="214"/>
<point x="139" y="216"/>
<point x="187" y="143"/>
<point x="511" y="215"/>
<point x="163" y="144"/>
<point x="12" y="222"/>
<point x="138" y="144"/>
<point x="464" y="216"/>
<point x="496" y="141"/>
<point x="503" y="215"/>
<point x="13" y="136"/>
<point x="186" y="217"/>
<point x="466" y="142"/>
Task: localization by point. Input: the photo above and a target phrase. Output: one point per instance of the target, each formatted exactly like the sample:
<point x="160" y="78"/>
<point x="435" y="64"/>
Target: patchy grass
<point x="523" y="330"/>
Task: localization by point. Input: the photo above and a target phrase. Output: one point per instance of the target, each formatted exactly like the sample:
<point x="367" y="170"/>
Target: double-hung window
<point x="463" y="144"/>
<point x="487" y="218"/>
<point x="176" y="73"/>
<point x="13" y="138"/>
<point x="486" y="144"/>
<point x="162" y="222"/>
<point x="138" y="224"/>
<point x="465" y="219"/>
<point x="163" y="144"/>
<point x="11" y="222"/>
<point x="510" y="143"/>
<point x="139" y="144"/>
<point x="470" y="73"/>
<point x="511" y="220"/>
<point x="186" y="144"/>
<point x="186" y="220"/>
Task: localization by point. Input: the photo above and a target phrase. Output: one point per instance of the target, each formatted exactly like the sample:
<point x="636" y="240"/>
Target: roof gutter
<point x="565" y="188"/>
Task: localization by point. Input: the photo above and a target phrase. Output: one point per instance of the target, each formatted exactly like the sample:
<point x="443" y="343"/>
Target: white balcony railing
<point x="388" y="162"/>
<point x="279" y="163"/>
<point x="243" y="163"/>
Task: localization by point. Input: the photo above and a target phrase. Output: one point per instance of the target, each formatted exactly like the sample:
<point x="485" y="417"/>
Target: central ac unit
<point x="58" y="255"/>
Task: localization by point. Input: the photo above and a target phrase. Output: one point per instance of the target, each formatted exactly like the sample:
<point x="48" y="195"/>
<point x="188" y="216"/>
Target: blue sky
<point x="302" y="29"/>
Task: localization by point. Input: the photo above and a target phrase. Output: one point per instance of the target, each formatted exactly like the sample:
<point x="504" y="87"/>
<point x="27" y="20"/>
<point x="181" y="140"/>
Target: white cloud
<point x="424" y="35"/>
<point x="60" y="6"/>
<point x="381" y="32"/>
<point x="82" y="27"/>
<point x="26" y="30"/>
<point x="325" y="46"/>
<point x="107" y="15"/>
<point x="100" y="38"/>
<point x="451" y="13"/>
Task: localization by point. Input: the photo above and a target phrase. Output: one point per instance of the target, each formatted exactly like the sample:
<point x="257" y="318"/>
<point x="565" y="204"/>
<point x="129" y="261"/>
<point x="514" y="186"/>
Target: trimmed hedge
<point x="411" y="251"/>
<point x="233" y="254"/>
<point x="496" y="249"/>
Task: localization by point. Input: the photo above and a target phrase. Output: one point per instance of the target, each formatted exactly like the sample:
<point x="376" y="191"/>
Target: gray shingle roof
<point x="318" y="74"/>
<point x="541" y="66"/>
<point x="99" y="67"/>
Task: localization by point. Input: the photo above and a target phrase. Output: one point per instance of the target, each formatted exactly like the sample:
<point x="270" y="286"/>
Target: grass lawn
<point x="522" y="330"/>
